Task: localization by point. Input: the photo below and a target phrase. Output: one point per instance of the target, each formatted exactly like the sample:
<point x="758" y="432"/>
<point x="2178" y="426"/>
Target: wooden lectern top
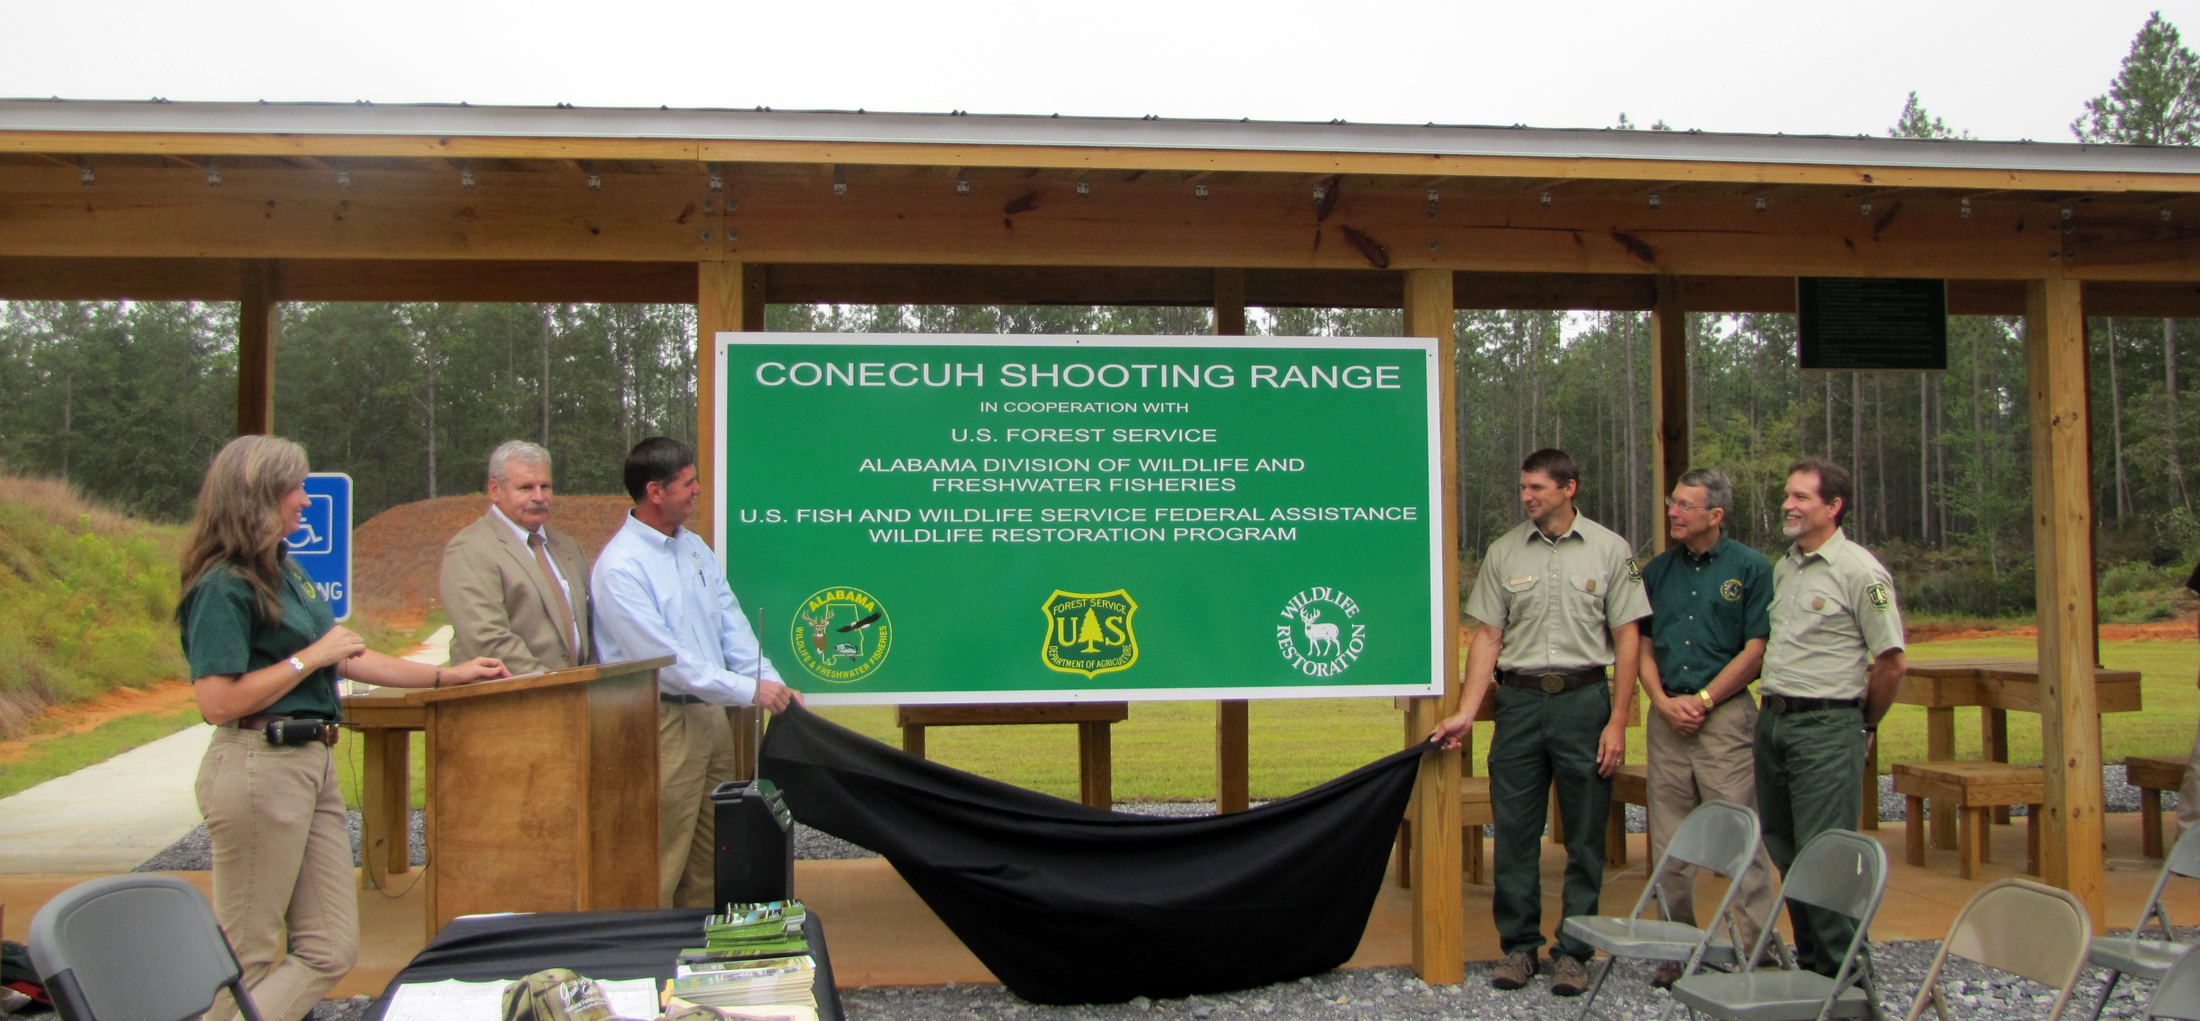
<point x="548" y="679"/>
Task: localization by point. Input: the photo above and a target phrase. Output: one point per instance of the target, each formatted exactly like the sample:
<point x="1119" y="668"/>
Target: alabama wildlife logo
<point x="841" y="634"/>
<point x="1319" y="636"/>
<point x="1089" y="633"/>
<point x="1731" y="590"/>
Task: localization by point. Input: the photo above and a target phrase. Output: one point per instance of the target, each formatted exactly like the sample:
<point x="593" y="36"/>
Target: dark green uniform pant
<point x="1543" y="740"/>
<point x="1810" y="774"/>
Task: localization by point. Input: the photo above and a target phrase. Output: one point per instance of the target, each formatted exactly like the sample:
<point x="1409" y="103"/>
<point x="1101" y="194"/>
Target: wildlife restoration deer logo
<point x="1089" y="633"/>
<point x="1318" y="636"/>
<point x="841" y="634"/>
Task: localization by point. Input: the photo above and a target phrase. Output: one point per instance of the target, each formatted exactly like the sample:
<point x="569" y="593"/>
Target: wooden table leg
<point x="385" y="805"/>
<point x="912" y="740"/>
<point x="1993" y="742"/>
<point x="1913" y="839"/>
<point x="2150" y="822"/>
<point x="1472" y="858"/>
<point x="1405" y="854"/>
<point x="1971" y="832"/>
<point x="1095" y="764"/>
<point x="2032" y="840"/>
<point x="1615" y="835"/>
<point x="1940" y="746"/>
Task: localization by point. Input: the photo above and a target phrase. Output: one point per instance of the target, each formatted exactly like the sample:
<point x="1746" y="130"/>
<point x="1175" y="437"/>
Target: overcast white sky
<point x="2006" y="69"/>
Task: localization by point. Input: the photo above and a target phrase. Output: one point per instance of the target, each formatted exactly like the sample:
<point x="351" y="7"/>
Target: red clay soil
<point x="399" y="552"/>
<point x="2154" y="631"/>
<point x="77" y="717"/>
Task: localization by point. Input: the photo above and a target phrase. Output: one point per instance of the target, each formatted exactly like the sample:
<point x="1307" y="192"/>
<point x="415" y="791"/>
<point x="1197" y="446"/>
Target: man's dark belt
<point x="1781" y="705"/>
<point x="665" y="696"/>
<point x="1551" y="683"/>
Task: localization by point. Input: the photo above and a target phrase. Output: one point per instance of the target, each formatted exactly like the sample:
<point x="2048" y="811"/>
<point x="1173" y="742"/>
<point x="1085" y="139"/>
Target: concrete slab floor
<point x="108" y="817"/>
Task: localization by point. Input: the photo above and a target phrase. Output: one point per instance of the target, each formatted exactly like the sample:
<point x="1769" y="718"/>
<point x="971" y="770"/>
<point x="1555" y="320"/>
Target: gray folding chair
<point x="1718" y="835"/>
<point x="1839" y="870"/>
<point x="2020" y="927"/>
<point x="2136" y="955"/>
<point x="137" y="947"/>
<point x="2177" y="995"/>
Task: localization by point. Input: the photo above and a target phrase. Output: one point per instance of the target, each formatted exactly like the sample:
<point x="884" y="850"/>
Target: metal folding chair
<point x="2020" y="927"/>
<point x="2177" y="995"/>
<point x="1720" y="836"/>
<point x="138" y="947"/>
<point x="1842" y="871"/>
<point x="2136" y="955"/>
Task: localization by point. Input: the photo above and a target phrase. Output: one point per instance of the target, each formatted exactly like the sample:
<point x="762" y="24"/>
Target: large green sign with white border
<point x="1031" y="519"/>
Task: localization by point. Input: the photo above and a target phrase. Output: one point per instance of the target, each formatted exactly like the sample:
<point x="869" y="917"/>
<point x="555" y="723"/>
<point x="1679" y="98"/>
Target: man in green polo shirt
<point x="1832" y="667"/>
<point x="1709" y="597"/>
<point x="1558" y="598"/>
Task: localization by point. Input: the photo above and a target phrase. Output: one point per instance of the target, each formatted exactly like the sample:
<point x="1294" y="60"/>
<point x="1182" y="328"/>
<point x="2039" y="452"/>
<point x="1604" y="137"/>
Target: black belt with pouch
<point x="1781" y="705"/>
<point x="1551" y="683"/>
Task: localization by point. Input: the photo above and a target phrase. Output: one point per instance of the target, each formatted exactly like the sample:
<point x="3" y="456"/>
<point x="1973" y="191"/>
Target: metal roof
<point x="826" y="126"/>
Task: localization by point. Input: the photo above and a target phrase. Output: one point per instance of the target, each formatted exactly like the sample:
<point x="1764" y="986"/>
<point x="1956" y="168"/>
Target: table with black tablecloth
<point x="606" y="945"/>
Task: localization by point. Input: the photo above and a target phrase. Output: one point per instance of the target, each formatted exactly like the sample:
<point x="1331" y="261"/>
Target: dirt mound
<point x="398" y="554"/>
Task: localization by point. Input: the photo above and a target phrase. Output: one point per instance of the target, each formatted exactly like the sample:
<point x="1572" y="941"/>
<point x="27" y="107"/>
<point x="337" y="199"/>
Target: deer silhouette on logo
<point x="1319" y="635"/>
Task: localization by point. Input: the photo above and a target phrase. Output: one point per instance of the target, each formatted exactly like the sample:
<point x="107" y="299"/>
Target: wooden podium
<point x="541" y="790"/>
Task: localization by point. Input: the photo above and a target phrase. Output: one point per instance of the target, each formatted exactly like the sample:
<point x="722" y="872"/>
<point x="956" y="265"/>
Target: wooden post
<point x="729" y="296"/>
<point x="1439" y="915"/>
<point x="1668" y="403"/>
<point x="2062" y="516"/>
<point x="1096" y="764"/>
<point x="258" y="327"/>
<point x="1233" y="717"/>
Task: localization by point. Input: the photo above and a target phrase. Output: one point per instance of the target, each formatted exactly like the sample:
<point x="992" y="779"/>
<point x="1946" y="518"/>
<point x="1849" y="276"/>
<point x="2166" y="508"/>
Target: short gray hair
<point x="516" y="450"/>
<point x="1718" y="491"/>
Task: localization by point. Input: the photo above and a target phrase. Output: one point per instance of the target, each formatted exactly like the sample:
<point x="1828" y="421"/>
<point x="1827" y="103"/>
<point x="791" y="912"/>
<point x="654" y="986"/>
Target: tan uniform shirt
<point x="1833" y="612"/>
<point x="1558" y="600"/>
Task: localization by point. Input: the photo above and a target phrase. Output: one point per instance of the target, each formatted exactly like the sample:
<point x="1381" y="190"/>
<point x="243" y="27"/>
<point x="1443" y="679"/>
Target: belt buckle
<point x="1552" y="684"/>
<point x="1776" y="703"/>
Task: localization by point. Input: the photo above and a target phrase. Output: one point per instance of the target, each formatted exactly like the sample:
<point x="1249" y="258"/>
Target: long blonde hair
<point x="239" y="522"/>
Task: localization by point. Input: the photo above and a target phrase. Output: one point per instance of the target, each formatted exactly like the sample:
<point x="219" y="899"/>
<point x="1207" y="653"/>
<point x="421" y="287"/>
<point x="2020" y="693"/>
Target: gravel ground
<point x="192" y="853"/>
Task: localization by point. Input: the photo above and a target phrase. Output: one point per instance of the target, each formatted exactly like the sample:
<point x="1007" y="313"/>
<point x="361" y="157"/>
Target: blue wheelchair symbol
<point x="313" y="534"/>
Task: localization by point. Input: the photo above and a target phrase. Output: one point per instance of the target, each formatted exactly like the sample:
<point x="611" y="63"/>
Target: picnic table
<point x="1994" y="686"/>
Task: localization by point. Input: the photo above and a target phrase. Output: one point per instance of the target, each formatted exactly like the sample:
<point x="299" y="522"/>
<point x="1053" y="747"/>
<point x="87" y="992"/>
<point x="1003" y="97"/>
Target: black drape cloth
<point x="1070" y="904"/>
<point x="595" y="944"/>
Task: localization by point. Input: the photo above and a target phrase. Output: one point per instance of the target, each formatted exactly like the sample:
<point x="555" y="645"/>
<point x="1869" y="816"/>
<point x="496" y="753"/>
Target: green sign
<point x="1048" y="519"/>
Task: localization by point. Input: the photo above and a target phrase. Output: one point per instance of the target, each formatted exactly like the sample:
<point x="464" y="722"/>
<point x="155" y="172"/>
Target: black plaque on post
<point x="1866" y="323"/>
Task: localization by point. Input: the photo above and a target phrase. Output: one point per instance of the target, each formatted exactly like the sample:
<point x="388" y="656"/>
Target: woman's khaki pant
<point x="282" y="870"/>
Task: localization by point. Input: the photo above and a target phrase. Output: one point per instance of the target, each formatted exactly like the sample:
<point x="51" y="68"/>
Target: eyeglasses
<point x="1671" y="504"/>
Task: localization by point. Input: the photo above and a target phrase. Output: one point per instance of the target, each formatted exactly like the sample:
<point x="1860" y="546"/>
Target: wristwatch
<point x="1708" y="702"/>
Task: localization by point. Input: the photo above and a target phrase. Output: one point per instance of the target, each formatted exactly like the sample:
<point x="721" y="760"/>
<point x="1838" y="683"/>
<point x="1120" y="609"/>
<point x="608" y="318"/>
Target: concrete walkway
<point x="108" y="817"/>
<point x="113" y="816"/>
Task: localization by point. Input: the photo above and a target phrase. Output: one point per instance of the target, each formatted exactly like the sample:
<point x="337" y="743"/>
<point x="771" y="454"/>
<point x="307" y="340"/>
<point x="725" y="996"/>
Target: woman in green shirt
<point x="266" y="654"/>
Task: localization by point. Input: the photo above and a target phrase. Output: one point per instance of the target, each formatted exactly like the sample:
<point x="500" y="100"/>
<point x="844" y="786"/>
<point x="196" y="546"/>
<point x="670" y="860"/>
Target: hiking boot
<point x="1569" y="975"/>
<point x="1669" y="972"/>
<point x="1514" y="971"/>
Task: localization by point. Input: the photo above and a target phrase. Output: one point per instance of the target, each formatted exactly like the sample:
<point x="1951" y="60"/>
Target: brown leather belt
<point x="1551" y="683"/>
<point x="1781" y="705"/>
<point x="258" y="724"/>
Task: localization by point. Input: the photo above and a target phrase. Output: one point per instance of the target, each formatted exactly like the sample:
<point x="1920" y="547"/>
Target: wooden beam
<point x="1668" y="401"/>
<point x="721" y="300"/>
<point x="258" y="327"/>
<point x="2062" y="515"/>
<point x="789" y="215"/>
<point x="1128" y="158"/>
<point x="1439" y="916"/>
<point x="1233" y="717"/>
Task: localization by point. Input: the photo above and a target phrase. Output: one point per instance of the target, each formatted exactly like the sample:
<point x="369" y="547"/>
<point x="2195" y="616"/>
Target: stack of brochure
<point x="750" y="931"/>
<point x="770" y="982"/>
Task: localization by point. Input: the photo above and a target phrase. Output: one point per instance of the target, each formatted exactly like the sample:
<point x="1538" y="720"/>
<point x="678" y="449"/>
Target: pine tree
<point x="1088" y="630"/>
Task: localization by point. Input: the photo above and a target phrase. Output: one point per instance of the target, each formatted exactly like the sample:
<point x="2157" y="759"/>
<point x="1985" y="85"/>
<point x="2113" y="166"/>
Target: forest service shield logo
<point x="1089" y="633"/>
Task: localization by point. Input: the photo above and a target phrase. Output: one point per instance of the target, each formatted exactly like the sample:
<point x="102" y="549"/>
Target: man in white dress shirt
<point x="659" y="591"/>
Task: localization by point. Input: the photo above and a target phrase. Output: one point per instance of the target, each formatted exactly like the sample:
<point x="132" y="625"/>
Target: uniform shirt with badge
<point x="227" y="633"/>
<point x="1557" y="600"/>
<point x="1833" y="612"/>
<point x="1704" y="609"/>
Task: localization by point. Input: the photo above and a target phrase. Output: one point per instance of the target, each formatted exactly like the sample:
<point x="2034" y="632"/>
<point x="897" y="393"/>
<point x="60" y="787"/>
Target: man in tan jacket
<point x="515" y="589"/>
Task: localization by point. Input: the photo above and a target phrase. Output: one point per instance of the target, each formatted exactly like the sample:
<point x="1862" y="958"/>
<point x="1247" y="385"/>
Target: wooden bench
<point x="1095" y="748"/>
<point x="1474" y="813"/>
<point x="2153" y="774"/>
<point x="1974" y="789"/>
<point x="1630" y="786"/>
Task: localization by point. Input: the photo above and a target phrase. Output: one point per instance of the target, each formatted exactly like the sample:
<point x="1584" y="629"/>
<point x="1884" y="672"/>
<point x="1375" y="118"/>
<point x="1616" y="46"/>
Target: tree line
<point x="129" y="399"/>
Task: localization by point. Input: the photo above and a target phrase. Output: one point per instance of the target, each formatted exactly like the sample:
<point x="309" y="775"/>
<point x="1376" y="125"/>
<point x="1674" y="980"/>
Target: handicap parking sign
<point x="322" y="543"/>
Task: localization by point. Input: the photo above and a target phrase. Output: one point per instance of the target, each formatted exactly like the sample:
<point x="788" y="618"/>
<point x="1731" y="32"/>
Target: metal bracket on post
<point x="840" y="180"/>
<point x="595" y="179"/>
<point x="84" y="173"/>
<point x="213" y="173"/>
<point x="717" y="177"/>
